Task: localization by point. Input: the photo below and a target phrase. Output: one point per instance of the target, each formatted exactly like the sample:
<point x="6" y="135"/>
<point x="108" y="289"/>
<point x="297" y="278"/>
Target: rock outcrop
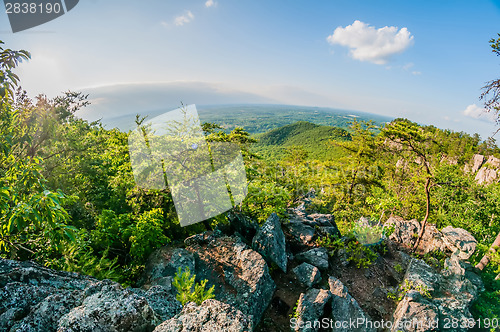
<point x="485" y="169"/>
<point x="307" y="274"/>
<point x="35" y="298"/>
<point x="163" y="264"/>
<point x="304" y="226"/>
<point x="448" y="240"/>
<point x="434" y="298"/>
<point x="270" y="242"/>
<point x="211" y="315"/>
<point x="311" y="309"/>
<point x="346" y="310"/>
<point x="112" y="308"/>
<point x="240" y="274"/>
<point x="317" y="257"/>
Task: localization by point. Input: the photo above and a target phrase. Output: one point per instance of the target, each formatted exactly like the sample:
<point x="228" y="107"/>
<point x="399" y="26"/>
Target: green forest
<point x="68" y="199"/>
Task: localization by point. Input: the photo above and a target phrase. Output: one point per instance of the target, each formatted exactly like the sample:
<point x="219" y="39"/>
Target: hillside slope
<point x="314" y="139"/>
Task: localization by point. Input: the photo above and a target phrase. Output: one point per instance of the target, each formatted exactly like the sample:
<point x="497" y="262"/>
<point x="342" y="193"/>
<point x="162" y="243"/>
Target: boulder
<point x="459" y="239"/>
<point x="420" y="273"/>
<point x="415" y="313"/>
<point x="163" y="264"/>
<point x="111" y="309"/>
<point x="302" y="233"/>
<point x="310" y="309"/>
<point x="211" y="315"/>
<point x="477" y="162"/>
<point x="452" y="293"/>
<point x="317" y="257"/>
<point x="486" y="176"/>
<point x="45" y="315"/>
<point x="346" y="310"/>
<point x="240" y="274"/>
<point x="448" y="240"/>
<point x="161" y="300"/>
<point x="493" y="162"/>
<point x="35" y="298"/>
<point x="307" y="274"/>
<point x="270" y="242"/>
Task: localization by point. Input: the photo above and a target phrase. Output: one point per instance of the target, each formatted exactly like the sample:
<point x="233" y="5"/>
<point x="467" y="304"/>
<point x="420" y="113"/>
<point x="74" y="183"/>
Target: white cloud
<point x="367" y="43"/>
<point x="416" y="72"/>
<point x="210" y="3"/>
<point x="183" y="19"/>
<point x="476" y="112"/>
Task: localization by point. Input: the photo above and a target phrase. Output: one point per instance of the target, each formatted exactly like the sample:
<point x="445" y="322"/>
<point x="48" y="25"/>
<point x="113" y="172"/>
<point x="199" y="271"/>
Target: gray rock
<point x="317" y="257"/>
<point x="34" y="297"/>
<point x="415" y="313"/>
<point x="270" y="242"/>
<point x="422" y="274"/>
<point x="245" y="226"/>
<point x="240" y="274"/>
<point x="449" y="240"/>
<point x="459" y="239"/>
<point x="311" y="308"/>
<point x="345" y="309"/>
<point x="322" y="219"/>
<point x="405" y="231"/>
<point x="343" y="257"/>
<point x="307" y="274"/>
<point x="486" y="176"/>
<point x="111" y="309"/>
<point x="163" y="264"/>
<point x="163" y="302"/>
<point x="453" y="292"/>
<point x="301" y="232"/>
<point x="37" y="275"/>
<point x="493" y="162"/>
<point x="210" y="316"/>
<point x="477" y="162"/>
<point x="46" y="314"/>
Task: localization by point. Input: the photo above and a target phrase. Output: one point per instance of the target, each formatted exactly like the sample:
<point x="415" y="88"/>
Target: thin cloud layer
<point x="210" y="3"/>
<point x="476" y="112"/>
<point x="366" y="43"/>
<point x="183" y="19"/>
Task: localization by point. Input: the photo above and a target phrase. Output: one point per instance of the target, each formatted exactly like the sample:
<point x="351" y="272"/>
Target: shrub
<point x="361" y="255"/>
<point x="184" y="283"/>
<point x="147" y="234"/>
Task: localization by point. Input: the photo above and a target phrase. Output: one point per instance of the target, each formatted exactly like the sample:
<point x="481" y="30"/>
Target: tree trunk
<point x="427" y="211"/>
<point x="486" y="258"/>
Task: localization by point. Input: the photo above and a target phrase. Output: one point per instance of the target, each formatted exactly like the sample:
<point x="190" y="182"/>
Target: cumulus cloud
<point x="183" y="19"/>
<point x="210" y="3"/>
<point x="366" y="43"/>
<point x="476" y="112"/>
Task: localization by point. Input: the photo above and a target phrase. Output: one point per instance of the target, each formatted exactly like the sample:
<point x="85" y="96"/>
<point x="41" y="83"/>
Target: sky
<point x="422" y="60"/>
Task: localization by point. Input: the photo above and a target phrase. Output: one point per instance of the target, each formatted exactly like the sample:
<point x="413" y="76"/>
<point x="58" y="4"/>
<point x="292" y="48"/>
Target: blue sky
<point x="424" y="60"/>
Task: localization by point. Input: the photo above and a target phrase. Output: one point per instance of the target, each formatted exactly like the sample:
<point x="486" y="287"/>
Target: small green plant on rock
<point x="407" y="286"/>
<point x="435" y="258"/>
<point x="184" y="283"/>
<point x="295" y="313"/>
<point x="330" y="242"/>
<point x="398" y="268"/>
<point x="361" y="255"/>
